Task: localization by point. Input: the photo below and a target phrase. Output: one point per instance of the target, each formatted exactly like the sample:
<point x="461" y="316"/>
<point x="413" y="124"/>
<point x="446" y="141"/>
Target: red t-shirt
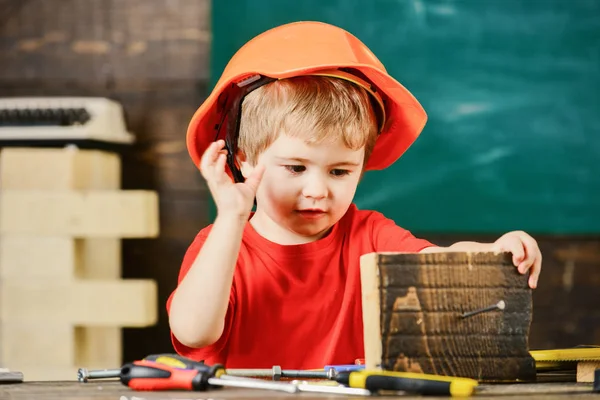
<point x="298" y="306"/>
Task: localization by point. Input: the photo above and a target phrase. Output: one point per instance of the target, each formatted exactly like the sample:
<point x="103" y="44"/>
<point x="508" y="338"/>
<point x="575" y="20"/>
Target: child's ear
<point x="245" y="166"/>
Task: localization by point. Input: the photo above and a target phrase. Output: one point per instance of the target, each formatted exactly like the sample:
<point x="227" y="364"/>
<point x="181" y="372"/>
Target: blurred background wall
<point x="511" y="88"/>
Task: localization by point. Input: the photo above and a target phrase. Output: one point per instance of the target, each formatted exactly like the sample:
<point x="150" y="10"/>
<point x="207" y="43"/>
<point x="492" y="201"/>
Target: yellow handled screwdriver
<point x="424" y="384"/>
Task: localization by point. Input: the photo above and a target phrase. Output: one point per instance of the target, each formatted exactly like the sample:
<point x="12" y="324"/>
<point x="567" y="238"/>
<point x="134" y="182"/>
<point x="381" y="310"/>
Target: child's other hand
<point x="236" y="199"/>
<point x="525" y="251"/>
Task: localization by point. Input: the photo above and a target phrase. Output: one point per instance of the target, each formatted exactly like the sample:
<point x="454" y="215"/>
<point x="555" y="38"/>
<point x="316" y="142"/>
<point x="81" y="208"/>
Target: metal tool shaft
<point x="253" y="384"/>
<point x="276" y="375"/>
<point x="83" y="374"/>
<point x="306" y="387"/>
<point x="292" y="387"/>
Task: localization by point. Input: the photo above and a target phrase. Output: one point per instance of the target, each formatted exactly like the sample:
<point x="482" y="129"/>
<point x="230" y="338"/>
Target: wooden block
<point x="24" y="257"/>
<point x="98" y="258"/>
<point x="412" y="308"/>
<point x="48" y="343"/>
<point x="125" y="214"/>
<point x="586" y="370"/>
<point x="58" y="169"/>
<point x="99" y="346"/>
<point x="127" y="303"/>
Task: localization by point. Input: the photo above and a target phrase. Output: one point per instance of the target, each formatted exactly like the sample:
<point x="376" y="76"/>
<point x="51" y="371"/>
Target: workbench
<point x="114" y="390"/>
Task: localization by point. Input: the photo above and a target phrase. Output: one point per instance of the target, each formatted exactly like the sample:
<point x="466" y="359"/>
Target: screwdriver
<point x="152" y="375"/>
<point x="424" y="384"/>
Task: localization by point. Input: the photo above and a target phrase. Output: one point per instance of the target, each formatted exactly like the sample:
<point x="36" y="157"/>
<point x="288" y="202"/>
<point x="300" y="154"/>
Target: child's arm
<point x="524" y="248"/>
<point x="199" y="305"/>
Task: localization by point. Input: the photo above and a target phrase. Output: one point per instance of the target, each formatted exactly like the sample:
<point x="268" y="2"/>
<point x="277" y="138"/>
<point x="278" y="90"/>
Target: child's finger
<point x="518" y="253"/>
<point x="513" y="244"/>
<point x="208" y="157"/>
<point x="535" y="270"/>
<point x="531" y="252"/>
<point x="220" y="167"/>
<point x="219" y="150"/>
<point x="255" y="177"/>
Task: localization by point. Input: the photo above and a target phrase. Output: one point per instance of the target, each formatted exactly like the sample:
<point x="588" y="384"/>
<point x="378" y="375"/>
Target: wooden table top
<point x="114" y="390"/>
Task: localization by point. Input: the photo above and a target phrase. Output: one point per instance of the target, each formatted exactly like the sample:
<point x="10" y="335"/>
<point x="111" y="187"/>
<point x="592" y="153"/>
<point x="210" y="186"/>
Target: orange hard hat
<point x="307" y="48"/>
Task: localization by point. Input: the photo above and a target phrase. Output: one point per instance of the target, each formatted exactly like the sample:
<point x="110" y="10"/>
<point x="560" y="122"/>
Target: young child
<point x="297" y="116"/>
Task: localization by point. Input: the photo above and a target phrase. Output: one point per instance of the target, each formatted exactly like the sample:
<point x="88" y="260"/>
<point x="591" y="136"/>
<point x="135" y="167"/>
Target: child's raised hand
<point x="230" y="198"/>
<point x="525" y="251"/>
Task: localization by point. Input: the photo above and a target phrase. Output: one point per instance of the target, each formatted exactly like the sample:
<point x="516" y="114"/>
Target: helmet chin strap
<point x="234" y="112"/>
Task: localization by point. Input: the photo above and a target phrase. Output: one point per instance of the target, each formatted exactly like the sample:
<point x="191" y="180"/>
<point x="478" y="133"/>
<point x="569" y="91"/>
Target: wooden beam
<point x="42" y="342"/>
<point x="414" y="307"/>
<point x="31" y="257"/>
<point x="58" y="169"/>
<point x="23" y="257"/>
<point x="124" y="214"/>
<point x="127" y="303"/>
<point x="371" y="312"/>
<point x="102" y="346"/>
<point x="98" y="258"/>
<point x="98" y="346"/>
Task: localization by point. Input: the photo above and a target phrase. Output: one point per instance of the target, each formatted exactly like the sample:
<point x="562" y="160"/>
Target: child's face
<point x="306" y="188"/>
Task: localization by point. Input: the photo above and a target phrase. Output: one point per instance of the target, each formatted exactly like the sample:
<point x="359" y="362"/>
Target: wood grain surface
<point x="111" y="390"/>
<point x="420" y="300"/>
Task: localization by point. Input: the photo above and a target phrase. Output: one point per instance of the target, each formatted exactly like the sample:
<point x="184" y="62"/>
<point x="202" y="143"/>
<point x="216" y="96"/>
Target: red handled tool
<point x="152" y="375"/>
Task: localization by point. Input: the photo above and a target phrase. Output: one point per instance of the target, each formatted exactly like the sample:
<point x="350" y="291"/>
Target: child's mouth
<point x="311" y="214"/>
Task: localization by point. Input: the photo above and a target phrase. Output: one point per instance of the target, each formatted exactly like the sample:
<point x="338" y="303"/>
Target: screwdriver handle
<point x="411" y="385"/>
<point x="150" y="375"/>
<point x="425" y="384"/>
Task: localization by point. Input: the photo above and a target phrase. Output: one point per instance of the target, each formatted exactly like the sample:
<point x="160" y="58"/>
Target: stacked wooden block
<point x="62" y="299"/>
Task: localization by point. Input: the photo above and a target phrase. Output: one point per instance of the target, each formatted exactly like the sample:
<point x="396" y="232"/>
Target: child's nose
<point x="315" y="187"/>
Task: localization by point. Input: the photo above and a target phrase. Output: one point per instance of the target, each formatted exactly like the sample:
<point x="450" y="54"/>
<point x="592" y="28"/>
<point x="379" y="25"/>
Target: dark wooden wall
<point x="152" y="56"/>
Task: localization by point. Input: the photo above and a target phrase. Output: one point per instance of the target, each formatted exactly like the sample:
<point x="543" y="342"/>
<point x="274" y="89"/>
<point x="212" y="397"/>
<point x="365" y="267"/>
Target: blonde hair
<point x="316" y="108"/>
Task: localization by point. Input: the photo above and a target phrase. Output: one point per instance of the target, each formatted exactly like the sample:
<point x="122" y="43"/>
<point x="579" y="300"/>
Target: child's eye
<point x="339" y="172"/>
<point x="296" y="169"/>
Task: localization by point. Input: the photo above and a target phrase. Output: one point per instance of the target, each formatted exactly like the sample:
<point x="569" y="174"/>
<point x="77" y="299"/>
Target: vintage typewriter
<point x="86" y="122"/>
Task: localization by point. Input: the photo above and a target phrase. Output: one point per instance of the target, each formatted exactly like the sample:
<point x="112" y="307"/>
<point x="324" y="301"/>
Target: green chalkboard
<point x="512" y="90"/>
